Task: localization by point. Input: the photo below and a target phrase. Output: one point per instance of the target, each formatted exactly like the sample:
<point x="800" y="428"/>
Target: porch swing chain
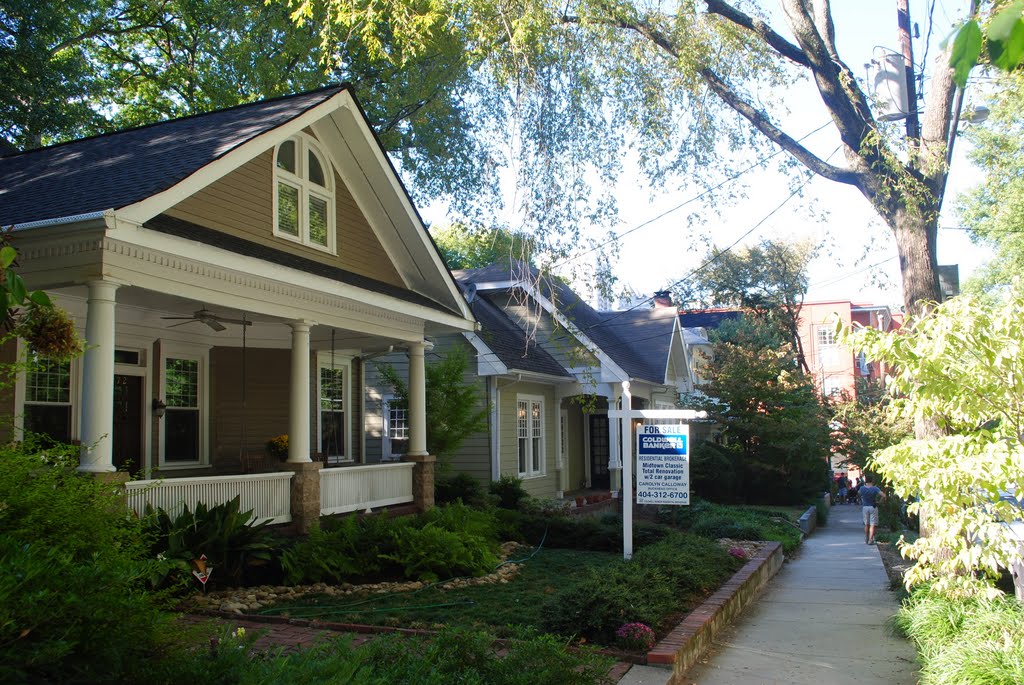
<point x="333" y="435"/>
<point x="243" y="447"/>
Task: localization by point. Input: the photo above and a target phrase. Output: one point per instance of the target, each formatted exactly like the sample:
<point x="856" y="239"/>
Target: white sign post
<point x="658" y="441"/>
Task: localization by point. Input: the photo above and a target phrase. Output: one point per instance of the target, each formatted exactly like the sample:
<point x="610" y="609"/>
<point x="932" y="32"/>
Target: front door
<point x="127" y="442"/>
<point x="599" y="477"/>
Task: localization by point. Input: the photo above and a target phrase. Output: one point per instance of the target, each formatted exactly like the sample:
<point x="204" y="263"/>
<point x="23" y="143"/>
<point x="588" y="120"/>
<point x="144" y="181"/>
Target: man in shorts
<point x="870" y="496"/>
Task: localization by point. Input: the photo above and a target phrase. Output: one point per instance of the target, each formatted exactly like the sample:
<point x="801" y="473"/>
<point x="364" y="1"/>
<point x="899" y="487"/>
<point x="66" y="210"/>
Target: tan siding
<point x="545" y="486"/>
<point x="241" y="204"/>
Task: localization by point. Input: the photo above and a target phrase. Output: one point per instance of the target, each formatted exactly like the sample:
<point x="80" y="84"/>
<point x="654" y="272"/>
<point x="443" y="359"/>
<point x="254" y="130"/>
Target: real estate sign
<point x="663" y="464"/>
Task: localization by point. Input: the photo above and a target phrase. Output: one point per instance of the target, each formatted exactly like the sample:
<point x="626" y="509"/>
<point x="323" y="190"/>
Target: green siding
<point x="545" y="486"/>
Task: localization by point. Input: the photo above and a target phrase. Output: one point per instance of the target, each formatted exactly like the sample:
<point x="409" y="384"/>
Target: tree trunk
<point x="916" y="244"/>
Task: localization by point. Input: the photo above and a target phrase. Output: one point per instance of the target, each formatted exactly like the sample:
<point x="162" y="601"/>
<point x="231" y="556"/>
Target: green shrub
<point x="431" y="553"/>
<point x="444" y="542"/>
<point x="720" y="521"/>
<point x="965" y="640"/>
<point x="653" y="586"/>
<point x="74" y="605"/>
<point x="509" y="491"/>
<point x="227" y="536"/>
<point x="453" y="656"/>
<point x="462" y="487"/>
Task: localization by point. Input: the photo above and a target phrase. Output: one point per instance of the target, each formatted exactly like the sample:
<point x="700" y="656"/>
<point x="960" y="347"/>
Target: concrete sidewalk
<point x="821" y="620"/>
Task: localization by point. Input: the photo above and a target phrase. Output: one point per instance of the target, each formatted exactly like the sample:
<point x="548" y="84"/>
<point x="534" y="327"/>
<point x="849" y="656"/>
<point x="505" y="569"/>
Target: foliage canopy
<point x="962" y="366"/>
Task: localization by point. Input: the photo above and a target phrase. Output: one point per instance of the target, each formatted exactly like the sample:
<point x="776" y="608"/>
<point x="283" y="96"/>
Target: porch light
<point x="159" y="408"/>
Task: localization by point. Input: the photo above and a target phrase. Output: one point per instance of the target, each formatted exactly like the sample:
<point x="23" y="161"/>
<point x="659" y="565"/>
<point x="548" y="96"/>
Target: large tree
<point x="86" y="66"/>
<point x="680" y="85"/>
<point x="994" y="210"/>
<point x="767" y="280"/>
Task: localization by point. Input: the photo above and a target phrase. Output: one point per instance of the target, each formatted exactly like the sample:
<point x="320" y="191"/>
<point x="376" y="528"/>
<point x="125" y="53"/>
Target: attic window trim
<point x="307" y="192"/>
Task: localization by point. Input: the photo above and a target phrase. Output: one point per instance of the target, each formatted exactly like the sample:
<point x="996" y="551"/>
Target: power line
<point x="732" y="178"/>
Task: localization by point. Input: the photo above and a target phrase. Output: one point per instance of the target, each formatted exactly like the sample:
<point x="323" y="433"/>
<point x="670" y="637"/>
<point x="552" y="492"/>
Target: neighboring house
<point x="837" y="370"/>
<point x="549" y="366"/>
<point x="231" y="272"/>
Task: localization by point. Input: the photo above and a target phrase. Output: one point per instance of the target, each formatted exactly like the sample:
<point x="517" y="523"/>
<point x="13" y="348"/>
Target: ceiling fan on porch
<point x="211" y="319"/>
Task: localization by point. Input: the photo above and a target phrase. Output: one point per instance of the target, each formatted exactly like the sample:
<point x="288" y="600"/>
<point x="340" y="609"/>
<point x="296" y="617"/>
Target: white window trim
<point x="300" y="180"/>
<point x="344" y="364"/>
<point x="201" y="353"/>
<point x="21" y="391"/>
<point x="386" y="453"/>
<point x="530" y="473"/>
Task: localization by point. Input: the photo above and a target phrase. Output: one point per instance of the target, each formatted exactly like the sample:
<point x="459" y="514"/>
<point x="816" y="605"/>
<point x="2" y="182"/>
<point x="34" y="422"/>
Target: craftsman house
<point x="230" y="273"/>
<point x="548" y="367"/>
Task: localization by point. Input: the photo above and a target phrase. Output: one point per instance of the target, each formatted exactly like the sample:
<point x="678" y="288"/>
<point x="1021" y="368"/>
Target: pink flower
<point x="635" y="636"/>
<point x="738" y="552"/>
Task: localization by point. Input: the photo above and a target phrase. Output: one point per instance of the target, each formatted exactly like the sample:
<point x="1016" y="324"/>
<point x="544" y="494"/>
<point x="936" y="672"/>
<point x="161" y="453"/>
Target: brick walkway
<point x="292" y="638"/>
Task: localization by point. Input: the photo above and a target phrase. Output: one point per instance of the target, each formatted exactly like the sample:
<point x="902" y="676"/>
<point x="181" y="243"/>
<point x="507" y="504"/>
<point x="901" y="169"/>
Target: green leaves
<point x="1006" y="37"/>
<point x="1004" y="43"/>
<point x="966" y="50"/>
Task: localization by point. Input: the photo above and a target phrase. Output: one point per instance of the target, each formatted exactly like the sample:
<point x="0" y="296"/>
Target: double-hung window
<point x="182" y="429"/>
<point x="47" y="408"/>
<point x="827" y="346"/>
<point x="530" y="435"/>
<point x="304" y="194"/>
<point x="333" y="391"/>
<point x="396" y="429"/>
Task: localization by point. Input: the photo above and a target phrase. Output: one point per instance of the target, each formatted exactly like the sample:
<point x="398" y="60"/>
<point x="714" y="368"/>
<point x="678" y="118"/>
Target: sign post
<point x="667" y="455"/>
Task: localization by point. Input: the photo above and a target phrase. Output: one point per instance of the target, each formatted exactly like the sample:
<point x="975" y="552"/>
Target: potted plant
<point x="278" y="447"/>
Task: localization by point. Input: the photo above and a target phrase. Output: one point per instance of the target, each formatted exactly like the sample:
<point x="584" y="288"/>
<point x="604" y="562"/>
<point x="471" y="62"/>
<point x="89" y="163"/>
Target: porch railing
<point x="268" y="495"/>
<point x="354" y="488"/>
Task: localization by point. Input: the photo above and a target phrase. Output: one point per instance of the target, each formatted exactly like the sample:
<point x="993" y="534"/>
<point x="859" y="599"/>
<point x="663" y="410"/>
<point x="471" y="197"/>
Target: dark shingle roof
<point x="190" y="231"/>
<point x="510" y="344"/>
<point x="637" y="340"/>
<point x="114" y="170"/>
<point x="707" y="318"/>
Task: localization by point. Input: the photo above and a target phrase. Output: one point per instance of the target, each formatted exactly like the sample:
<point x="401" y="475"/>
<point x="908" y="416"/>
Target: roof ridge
<point x="339" y="87"/>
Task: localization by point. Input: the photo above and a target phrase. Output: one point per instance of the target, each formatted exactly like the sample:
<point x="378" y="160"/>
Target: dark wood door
<point x="127" y="442"/>
<point x="599" y="477"/>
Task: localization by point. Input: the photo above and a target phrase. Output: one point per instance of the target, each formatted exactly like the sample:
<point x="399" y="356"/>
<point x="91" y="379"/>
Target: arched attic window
<point x="304" y="193"/>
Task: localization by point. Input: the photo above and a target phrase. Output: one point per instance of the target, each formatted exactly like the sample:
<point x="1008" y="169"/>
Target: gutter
<point x="63" y="220"/>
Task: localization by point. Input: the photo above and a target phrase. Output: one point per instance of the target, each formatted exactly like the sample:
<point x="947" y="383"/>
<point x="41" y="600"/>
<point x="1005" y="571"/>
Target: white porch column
<point x="98" y="380"/>
<point x="298" y="417"/>
<point x="614" y="448"/>
<point x="417" y="400"/>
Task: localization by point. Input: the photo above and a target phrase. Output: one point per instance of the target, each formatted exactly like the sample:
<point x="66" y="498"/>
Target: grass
<point x="497" y="606"/>
<point x="965" y="641"/>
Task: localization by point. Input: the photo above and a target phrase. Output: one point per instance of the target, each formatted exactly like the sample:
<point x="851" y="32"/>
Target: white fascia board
<point x="226" y="259"/>
<point x="497" y="285"/>
<point x="487" y="362"/>
<point x="677" y="336"/>
<point x="394" y="209"/>
<point x="609" y="369"/>
<point x="545" y="378"/>
<point x="146" y="209"/>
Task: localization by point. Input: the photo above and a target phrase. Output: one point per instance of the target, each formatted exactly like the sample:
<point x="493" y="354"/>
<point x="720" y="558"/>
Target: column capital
<point x="100" y="289"/>
<point x="301" y="325"/>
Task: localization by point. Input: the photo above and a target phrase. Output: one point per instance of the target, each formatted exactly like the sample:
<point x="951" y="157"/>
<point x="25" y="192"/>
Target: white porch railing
<point x="354" y="488"/>
<point x="268" y="495"/>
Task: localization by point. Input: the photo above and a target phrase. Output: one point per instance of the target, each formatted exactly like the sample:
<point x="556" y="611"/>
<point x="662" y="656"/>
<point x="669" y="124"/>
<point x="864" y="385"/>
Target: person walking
<point x="870" y="496"/>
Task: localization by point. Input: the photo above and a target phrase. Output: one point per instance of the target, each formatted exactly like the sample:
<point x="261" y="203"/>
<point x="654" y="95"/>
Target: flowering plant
<point x="738" y="553"/>
<point x="278" y="446"/>
<point x="635" y="636"/>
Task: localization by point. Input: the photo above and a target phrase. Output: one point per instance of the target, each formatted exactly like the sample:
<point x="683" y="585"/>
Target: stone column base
<point x="422" y="480"/>
<point x="305" y="493"/>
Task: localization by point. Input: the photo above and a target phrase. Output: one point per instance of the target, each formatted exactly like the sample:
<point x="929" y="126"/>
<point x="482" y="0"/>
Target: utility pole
<point x="903" y="22"/>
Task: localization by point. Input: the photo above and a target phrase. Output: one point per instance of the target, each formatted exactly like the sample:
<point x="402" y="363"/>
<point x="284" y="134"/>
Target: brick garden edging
<point x="681" y="648"/>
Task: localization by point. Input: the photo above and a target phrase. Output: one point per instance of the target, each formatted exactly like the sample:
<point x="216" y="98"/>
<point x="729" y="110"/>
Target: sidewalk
<point x="821" y="620"/>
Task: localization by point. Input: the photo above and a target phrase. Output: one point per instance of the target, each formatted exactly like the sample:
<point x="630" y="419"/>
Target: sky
<point x="857" y="260"/>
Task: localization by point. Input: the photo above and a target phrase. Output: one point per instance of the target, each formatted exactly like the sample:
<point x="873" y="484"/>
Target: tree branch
<point x="761" y="29"/>
<point x="761" y="122"/>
